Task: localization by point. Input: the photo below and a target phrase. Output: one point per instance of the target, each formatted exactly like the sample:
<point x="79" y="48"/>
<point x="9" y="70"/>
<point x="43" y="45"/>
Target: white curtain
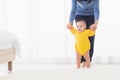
<point x="41" y="29"/>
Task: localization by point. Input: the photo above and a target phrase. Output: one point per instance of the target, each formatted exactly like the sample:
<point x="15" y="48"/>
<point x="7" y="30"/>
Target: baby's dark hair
<point x="81" y="19"/>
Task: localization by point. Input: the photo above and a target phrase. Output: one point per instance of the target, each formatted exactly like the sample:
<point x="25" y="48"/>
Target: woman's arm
<point x="73" y="11"/>
<point x="96" y="15"/>
<point x="96" y="10"/>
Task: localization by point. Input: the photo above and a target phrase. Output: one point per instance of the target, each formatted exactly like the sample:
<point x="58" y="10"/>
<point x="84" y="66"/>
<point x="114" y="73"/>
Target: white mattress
<point x="5" y="45"/>
<point x="9" y="40"/>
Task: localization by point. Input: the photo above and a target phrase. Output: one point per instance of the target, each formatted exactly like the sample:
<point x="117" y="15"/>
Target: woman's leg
<point x="92" y="46"/>
<point x="89" y="21"/>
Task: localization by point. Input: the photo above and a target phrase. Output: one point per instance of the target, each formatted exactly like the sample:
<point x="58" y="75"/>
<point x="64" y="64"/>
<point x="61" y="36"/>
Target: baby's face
<point x="81" y="26"/>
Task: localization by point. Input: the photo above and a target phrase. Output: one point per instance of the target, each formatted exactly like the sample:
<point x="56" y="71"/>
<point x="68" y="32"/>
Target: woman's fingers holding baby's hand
<point x="69" y="25"/>
<point x="93" y="27"/>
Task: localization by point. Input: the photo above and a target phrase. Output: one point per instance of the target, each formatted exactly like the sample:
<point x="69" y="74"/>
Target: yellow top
<point x="82" y="44"/>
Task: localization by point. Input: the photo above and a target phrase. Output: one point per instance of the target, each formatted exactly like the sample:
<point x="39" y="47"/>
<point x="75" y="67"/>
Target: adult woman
<point x="89" y="11"/>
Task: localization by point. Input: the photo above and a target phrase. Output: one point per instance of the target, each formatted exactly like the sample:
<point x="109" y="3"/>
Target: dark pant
<point x="89" y="20"/>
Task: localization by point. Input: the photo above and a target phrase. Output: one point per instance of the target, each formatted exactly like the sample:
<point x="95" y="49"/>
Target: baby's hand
<point x="69" y="26"/>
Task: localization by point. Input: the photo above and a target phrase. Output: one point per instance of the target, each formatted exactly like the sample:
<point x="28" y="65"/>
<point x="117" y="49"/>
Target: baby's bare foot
<point x="88" y="65"/>
<point x="83" y="64"/>
<point x="78" y="67"/>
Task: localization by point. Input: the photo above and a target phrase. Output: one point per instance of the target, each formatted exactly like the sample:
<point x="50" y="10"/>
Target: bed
<point x="9" y="48"/>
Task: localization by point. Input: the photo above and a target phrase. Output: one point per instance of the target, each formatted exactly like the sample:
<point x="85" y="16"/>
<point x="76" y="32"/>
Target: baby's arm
<point x="91" y="32"/>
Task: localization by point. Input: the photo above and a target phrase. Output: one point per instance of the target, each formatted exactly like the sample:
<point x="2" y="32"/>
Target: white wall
<point x="1" y="15"/>
<point x="41" y="28"/>
<point x="107" y="37"/>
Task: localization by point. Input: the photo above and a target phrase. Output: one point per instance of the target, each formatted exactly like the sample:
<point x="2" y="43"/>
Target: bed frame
<point x="7" y="56"/>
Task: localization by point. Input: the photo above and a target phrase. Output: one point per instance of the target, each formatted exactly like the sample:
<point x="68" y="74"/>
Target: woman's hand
<point x="94" y="26"/>
<point x="69" y="25"/>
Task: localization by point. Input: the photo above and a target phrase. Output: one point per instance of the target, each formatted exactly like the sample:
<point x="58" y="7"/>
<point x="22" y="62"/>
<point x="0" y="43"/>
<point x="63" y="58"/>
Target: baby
<point x="82" y="43"/>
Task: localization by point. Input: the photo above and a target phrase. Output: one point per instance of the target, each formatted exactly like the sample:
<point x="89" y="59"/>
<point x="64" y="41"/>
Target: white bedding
<point x="9" y="40"/>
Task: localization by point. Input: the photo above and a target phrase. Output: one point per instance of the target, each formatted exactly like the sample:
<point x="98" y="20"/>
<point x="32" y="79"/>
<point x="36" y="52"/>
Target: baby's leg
<point x="78" y="59"/>
<point x="87" y="58"/>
